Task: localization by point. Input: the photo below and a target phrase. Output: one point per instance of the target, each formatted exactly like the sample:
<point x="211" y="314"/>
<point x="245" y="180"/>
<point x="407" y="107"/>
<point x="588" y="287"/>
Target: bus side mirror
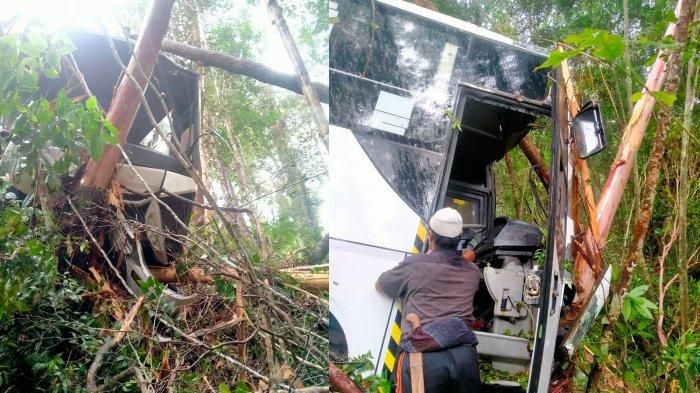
<point x="587" y="129"/>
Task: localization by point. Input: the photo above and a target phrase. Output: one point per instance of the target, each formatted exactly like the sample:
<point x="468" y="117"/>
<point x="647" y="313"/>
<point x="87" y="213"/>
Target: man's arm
<point x="392" y="282"/>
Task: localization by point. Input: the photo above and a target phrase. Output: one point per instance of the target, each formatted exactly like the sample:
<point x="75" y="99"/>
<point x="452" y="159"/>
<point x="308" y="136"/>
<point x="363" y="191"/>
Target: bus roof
<point x="460" y="25"/>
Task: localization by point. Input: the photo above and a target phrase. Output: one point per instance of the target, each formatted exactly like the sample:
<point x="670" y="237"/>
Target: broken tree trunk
<point x="587" y="257"/>
<point x="126" y="103"/>
<point x="243" y="67"/>
<point x="304" y="80"/>
<point x="340" y="381"/>
<point x="614" y="187"/>
<point x="653" y="167"/>
<point x="612" y="191"/>
<point x="533" y="155"/>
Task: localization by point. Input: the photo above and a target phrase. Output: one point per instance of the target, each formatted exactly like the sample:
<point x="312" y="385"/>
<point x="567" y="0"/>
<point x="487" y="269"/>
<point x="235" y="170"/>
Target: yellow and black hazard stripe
<point x="421" y="238"/>
<point x="392" y="351"/>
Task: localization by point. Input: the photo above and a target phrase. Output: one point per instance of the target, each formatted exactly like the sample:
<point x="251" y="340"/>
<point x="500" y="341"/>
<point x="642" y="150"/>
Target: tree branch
<point x="239" y="66"/>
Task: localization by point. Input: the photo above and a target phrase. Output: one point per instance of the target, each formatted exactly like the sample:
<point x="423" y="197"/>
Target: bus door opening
<point x="492" y="123"/>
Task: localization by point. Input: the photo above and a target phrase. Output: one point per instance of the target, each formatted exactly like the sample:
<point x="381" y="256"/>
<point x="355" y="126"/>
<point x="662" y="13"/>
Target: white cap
<point x="446" y="222"/>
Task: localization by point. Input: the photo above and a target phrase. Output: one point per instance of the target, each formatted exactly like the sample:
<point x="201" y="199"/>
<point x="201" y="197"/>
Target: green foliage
<point x="28" y="255"/>
<point x="292" y="235"/>
<point x="37" y="124"/>
<point x="153" y="291"/>
<point x="683" y="356"/>
<point x="241" y="387"/>
<point x="225" y="288"/>
<point x="235" y="37"/>
<point x="359" y="370"/>
<point x="223" y="388"/>
<point x="635" y="305"/>
<point x="49" y="347"/>
<point x="597" y="43"/>
<point x="600" y="43"/>
<point x="667" y="99"/>
<point x="489" y="374"/>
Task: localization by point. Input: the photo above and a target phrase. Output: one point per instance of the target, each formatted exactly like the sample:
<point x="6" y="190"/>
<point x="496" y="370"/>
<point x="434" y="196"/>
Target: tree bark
<point x="612" y="191"/>
<point x="126" y="101"/>
<point x="303" y="76"/>
<point x="684" y="187"/>
<point x="194" y="32"/>
<point x="619" y="174"/>
<point x="230" y="195"/>
<point x="426" y="4"/>
<point x="535" y="158"/>
<point x="244" y="183"/>
<point x="513" y="187"/>
<point x="340" y="381"/>
<point x="653" y="171"/>
<point x="636" y="184"/>
<point x="243" y="67"/>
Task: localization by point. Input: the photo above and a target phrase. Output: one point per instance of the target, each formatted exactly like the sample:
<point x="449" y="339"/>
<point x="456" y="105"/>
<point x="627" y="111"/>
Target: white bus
<point x="421" y="106"/>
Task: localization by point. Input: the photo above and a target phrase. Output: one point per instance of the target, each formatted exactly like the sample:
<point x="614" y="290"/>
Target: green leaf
<point x="643" y="311"/>
<point x="585" y="38"/>
<point x="51" y="73"/>
<point x="556" y="57"/>
<point x="627" y="308"/>
<point x="666" y="98"/>
<point x="225" y="288"/>
<point x="638" y="291"/>
<point x="96" y="143"/>
<point x="34" y="46"/>
<point x="67" y="46"/>
<point x="91" y="103"/>
<point x="648" y="303"/>
<point x="637" y="96"/>
<point x="609" y="46"/>
<point x="223" y="388"/>
<point x="241" y="387"/>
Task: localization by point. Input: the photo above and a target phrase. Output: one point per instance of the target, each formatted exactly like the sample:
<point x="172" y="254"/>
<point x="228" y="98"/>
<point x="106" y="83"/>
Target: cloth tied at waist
<point x="438" y="335"/>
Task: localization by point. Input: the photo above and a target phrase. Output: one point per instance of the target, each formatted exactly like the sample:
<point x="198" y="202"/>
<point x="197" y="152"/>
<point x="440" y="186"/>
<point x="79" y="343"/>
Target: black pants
<point x="454" y="370"/>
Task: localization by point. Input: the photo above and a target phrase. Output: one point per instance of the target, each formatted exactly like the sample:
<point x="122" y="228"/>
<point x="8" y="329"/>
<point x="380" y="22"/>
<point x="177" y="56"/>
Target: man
<point x="434" y="286"/>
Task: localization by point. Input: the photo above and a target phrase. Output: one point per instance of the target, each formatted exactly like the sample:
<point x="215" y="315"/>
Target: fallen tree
<point x="238" y="66"/>
<point x="126" y="104"/>
<point x="241" y="304"/>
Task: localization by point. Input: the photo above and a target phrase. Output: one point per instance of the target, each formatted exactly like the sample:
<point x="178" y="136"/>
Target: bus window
<point x="469" y="209"/>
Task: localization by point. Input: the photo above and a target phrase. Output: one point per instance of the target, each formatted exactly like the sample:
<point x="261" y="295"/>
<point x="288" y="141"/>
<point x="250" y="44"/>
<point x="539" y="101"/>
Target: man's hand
<point x="468" y="254"/>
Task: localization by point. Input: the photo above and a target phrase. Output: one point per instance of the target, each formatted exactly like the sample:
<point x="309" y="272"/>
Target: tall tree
<point x="126" y="101"/>
<point x="303" y="75"/>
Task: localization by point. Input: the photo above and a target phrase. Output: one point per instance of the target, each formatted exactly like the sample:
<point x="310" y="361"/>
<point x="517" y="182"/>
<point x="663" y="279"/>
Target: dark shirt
<point x="432" y="286"/>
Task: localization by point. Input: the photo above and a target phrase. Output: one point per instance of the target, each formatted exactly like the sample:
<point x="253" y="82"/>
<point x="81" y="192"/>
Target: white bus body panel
<point x="367" y="210"/>
<point x="361" y="311"/>
<point x="373" y="231"/>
